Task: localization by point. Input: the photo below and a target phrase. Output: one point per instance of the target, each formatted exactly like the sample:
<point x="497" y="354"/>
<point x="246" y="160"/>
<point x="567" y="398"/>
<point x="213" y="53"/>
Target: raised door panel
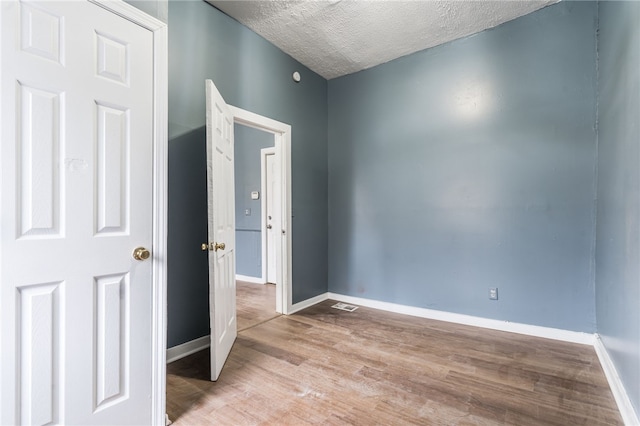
<point x="112" y="302"/>
<point x="112" y="155"/>
<point x="39" y="179"/>
<point x="112" y="58"/>
<point x="40" y="350"/>
<point x="42" y="32"/>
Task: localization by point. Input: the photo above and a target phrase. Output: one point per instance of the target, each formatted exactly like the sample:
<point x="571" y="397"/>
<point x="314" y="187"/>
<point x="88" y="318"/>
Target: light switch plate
<point x="255" y="195"/>
<point x="493" y="293"/>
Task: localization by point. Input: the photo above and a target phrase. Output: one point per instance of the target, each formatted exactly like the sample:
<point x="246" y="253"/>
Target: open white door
<point x="76" y="275"/>
<point x="221" y="227"/>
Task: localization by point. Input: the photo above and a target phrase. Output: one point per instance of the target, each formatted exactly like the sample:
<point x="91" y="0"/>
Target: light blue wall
<point x="618" y="217"/>
<point x="248" y="143"/>
<point x="156" y="8"/>
<point x="469" y="166"/>
<point x="254" y="75"/>
<point x="463" y="167"/>
<point x="187" y="283"/>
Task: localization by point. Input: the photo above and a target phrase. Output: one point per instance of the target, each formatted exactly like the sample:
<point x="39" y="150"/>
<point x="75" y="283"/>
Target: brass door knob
<point x="204" y="246"/>
<point x="141" y="253"/>
<point x="220" y="246"/>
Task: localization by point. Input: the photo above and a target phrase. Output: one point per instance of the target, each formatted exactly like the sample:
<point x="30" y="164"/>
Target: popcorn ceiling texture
<point x="336" y="38"/>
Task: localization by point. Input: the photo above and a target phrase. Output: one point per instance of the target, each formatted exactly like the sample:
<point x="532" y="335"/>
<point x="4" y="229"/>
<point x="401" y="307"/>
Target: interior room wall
<point x="468" y="166"/>
<point x="252" y="74"/>
<point x="156" y="8"/>
<point x="463" y="167"/>
<point x="618" y="215"/>
<point x="248" y="144"/>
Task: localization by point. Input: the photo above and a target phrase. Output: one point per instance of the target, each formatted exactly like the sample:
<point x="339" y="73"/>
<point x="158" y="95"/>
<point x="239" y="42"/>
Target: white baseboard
<point x="629" y="416"/>
<point x="246" y="278"/>
<point x="180" y="351"/>
<point x="306" y="303"/>
<point x="512" y="327"/>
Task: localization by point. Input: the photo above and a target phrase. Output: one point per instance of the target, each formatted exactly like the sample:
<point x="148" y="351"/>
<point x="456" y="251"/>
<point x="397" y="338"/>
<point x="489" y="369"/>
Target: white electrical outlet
<point x="493" y="293"/>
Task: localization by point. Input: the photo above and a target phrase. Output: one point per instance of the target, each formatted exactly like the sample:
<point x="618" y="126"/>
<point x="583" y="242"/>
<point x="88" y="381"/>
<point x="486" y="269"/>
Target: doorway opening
<point x="263" y="203"/>
<point x="254" y="226"/>
<point x="251" y="203"/>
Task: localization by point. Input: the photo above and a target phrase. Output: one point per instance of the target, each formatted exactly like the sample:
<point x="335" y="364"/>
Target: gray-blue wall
<point x="469" y="166"/>
<point x="156" y="8"/>
<point x="187" y="282"/>
<point x="248" y="143"/>
<point x="463" y="167"/>
<point x="254" y="75"/>
<point x="618" y="216"/>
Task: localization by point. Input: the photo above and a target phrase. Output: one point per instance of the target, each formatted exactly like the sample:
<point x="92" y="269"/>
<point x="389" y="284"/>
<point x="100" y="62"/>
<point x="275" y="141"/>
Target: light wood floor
<point x="255" y="304"/>
<point x="330" y="367"/>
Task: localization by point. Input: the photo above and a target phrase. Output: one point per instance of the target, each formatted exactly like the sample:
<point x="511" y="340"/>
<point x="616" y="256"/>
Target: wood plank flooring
<point x="255" y="303"/>
<point x="368" y="367"/>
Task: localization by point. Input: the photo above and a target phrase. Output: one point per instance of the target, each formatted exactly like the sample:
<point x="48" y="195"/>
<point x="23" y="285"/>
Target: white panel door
<point x="76" y="200"/>
<point x="272" y="211"/>
<point x="221" y="227"/>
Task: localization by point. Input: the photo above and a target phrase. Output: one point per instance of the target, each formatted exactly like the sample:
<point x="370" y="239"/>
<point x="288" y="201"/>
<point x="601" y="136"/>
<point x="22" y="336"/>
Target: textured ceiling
<point x="340" y="37"/>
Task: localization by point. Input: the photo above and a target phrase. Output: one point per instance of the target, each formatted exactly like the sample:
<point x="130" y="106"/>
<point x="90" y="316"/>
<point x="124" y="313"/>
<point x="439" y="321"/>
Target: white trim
<point x="263" y="220"/>
<point x="282" y="139"/>
<point x="512" y="327"/>
<point x="160" y="154"/>
<point x="629" y="416"/>
<point x="159" y="327"/>
<point x="247" y="278"/>
<point x="185" y="349"/>
<point x="307" y="303"/>
<point x="285" y="196"/>
<point x="130" y="13"/>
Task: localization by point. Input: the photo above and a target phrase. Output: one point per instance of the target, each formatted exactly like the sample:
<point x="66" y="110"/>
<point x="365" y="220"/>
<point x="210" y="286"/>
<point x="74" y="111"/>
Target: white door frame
<point x="263" y="207"/>
<point x="160" y="151"/>
<point x="282" y="136"/>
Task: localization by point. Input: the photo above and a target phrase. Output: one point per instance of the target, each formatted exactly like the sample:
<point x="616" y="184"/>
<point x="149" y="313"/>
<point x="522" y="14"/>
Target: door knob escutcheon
<point x="220" y="246"/>
<point x="141" y="253"/>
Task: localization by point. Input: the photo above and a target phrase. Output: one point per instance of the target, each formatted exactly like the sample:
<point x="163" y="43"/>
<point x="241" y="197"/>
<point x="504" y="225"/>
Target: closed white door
<point x="271" y="201"/>
<point x="76" y="200"/>
<point x="221" y="227"/>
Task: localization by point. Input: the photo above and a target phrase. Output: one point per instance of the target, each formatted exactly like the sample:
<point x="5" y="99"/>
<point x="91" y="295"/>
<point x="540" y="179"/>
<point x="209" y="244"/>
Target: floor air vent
<point x="344" y="307"/>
